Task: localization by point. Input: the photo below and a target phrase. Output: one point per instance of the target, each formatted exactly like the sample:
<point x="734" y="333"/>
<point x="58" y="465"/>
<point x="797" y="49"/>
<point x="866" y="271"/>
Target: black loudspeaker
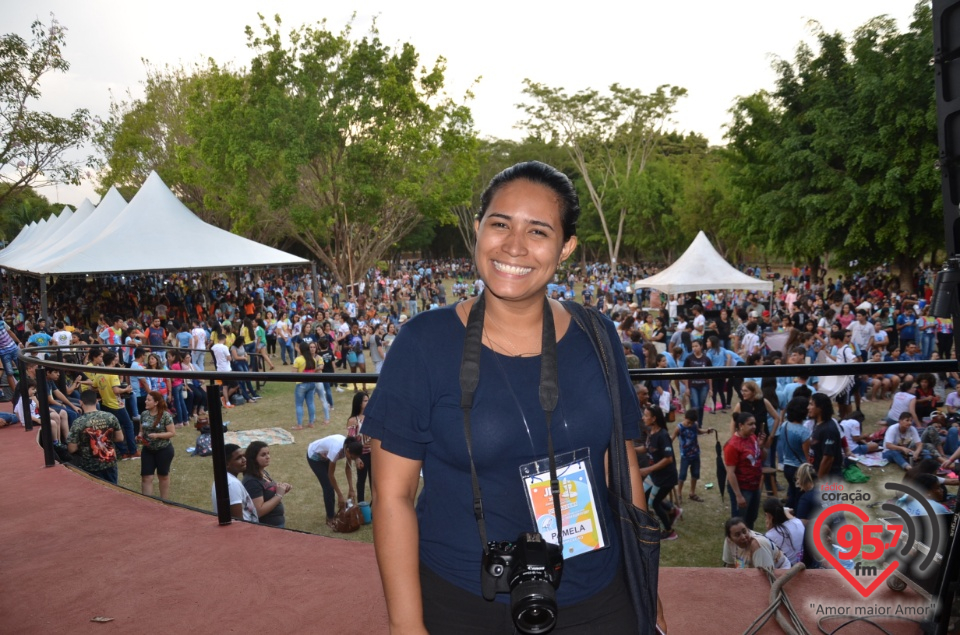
<point x="946" y="58"/>
<point x="946" y="62"/>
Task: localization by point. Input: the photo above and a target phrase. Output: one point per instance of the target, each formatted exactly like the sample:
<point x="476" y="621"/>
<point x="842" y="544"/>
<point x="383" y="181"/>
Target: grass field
<point x="700" y="528"/>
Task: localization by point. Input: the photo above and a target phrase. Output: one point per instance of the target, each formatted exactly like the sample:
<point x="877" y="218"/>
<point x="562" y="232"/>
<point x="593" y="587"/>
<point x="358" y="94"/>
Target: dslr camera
<point x="529" y="570"/>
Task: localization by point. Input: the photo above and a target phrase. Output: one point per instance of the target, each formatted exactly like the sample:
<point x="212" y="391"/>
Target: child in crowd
<point x="689" y="452"/>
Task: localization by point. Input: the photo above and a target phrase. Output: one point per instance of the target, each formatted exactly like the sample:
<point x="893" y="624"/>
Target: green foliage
<point x="33" y="144"/>
<point x="342" y="145"/>
<point x="609" y="138"/>
<point x="839" y="157"/>
<point x="21" y="208"/>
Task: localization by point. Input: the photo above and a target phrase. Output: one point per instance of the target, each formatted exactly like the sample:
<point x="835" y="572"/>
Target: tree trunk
<point x="815" y="270"/>
<point x="905" y="266"/>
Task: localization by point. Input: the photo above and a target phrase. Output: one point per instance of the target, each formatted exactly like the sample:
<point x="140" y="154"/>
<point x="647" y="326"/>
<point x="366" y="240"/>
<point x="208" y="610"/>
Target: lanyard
<point x="549" y="395"/>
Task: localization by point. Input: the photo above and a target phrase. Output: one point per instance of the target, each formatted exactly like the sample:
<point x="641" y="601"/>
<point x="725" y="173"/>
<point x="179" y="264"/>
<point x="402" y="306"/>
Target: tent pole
<point x="314" y="285"/>
<point x="43" y="298"/>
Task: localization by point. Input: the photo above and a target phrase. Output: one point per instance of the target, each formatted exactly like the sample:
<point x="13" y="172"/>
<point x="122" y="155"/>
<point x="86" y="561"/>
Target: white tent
<point x="701" y="268"/>
<point x="76" y="233"/>
<point x="154" y="232"/>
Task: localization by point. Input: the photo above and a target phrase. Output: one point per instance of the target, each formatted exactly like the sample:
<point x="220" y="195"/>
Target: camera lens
<point x="534" y="606"/>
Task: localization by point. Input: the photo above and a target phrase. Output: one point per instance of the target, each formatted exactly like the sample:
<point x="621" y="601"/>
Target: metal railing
<point x="215" y="413"/>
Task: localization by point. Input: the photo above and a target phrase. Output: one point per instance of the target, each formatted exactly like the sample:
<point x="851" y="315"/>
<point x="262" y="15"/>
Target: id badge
<point x="583" y="528"/>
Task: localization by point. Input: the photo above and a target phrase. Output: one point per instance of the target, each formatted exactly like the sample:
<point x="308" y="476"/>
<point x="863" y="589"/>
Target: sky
<point x="716" y="50"/>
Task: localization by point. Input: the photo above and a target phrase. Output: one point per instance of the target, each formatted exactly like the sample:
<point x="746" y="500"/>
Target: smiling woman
<point x="429" y="557"/>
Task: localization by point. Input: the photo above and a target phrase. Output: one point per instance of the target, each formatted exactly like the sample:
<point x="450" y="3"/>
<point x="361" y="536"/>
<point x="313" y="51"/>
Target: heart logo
<point x="835" y="563"/>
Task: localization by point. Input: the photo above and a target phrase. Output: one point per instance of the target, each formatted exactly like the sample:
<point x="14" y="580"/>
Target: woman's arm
<point x="264" y="508"/>
<point x="395" y="539"/>
<point x="776" y="422"/>
<point x="332" y="473"/>
<point x="735" y="485"/>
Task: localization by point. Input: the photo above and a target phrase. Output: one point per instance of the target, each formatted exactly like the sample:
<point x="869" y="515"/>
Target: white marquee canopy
<point x="701" y="268"/>
<point x="154" y="232"/>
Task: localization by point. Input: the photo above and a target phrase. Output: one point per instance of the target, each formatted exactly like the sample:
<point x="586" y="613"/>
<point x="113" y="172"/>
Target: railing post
<point x="215" y="413"/>
<point x="46" y="433"/>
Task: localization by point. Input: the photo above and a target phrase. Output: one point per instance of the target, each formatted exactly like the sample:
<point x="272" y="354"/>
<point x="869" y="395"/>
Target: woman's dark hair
<point x="541" y="174"/>
<point x="727" y="526"/>
<point x="778" y="517"/>
<point x="175" y="356"/>
<point x="930" y="377"/>
<point x="714" y="342"/>
<point x="352" y="445"/>
<point x="253" y="468"/>
<point x="94" y="353"/>
<point x="926" y="466"/>
<point x="357" y="405"/>
<point x="686" y="341"/>
<point x="797" y="409"/>
<point x="825" y="405"/>
<point x="657" y="415"/>
<point x="305" y="353"/>
<point x="741" y="418"/>
<point x="926" y="482"/>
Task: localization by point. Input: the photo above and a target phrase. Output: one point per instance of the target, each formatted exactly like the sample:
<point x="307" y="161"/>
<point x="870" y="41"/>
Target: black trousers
<point x="449" y="609"/>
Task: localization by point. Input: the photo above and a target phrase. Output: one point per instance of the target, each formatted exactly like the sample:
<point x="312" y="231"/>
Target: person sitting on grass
<point x="748" y="549"/>
<point x="266" y="493"/>
<point x="689" y="452"/>
<point x="783" y="530"/>
<point x="241" y="504"/>
<point x="901" y="442"/>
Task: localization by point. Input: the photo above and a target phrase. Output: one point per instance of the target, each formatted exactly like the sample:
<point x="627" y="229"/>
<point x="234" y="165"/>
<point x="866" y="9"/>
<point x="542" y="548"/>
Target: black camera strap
<point x="549" y="395"/>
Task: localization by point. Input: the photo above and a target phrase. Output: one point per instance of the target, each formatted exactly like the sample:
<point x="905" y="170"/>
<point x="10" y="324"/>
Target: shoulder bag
<point x="639" y="531"/>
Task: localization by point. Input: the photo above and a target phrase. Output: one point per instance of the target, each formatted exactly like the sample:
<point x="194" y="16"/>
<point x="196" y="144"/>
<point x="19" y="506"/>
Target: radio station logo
<point x="874" y="549"/>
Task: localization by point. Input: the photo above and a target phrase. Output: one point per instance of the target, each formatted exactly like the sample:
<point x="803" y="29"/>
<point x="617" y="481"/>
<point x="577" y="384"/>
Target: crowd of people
<point x="791" y="425"/>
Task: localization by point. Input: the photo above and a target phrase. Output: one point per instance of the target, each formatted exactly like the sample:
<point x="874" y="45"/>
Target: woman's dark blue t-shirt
<point x="415" y="413"/>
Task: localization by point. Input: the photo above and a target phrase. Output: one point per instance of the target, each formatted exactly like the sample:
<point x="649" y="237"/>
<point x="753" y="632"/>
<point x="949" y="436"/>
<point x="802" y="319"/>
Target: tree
<point x="609" y="139"/>
<point x="34" y="144"/>
<point x="344" y="145"/>
<point x="839" y="158"/>
<point x="20" y="209"/>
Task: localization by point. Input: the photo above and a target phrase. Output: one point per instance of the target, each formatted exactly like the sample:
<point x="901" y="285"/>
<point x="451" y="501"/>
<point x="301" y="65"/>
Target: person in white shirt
<point x="862" y="333"/>
<point x="62" y="337"/>
<point x="322" y="456"/>
<point x="751" y="341"/>
<point x="241" y="504"/>
<point x="902" y="442"/>
<point x="198" y="345"/>
<point x="221" y="358"/>
<point x="852" y="431"/>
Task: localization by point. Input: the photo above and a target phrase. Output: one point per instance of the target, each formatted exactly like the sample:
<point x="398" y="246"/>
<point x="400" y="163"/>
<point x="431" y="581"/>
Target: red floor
<point x="74" y="548"/>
